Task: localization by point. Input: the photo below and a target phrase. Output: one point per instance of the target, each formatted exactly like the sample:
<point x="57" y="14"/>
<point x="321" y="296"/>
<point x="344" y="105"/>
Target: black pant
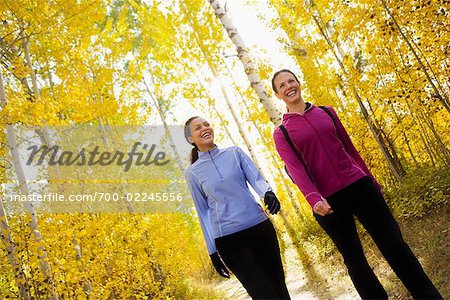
<point x="363" y="200"/>
<point x="253" y="255"/>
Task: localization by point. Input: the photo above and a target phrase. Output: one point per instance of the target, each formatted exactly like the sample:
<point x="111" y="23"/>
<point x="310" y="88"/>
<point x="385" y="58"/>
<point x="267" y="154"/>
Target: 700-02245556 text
<point x="99" y="196"/>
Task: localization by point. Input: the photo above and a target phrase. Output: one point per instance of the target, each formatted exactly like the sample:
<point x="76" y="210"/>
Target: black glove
<point x="272" y="203"/>
<point x="219" y="265"/>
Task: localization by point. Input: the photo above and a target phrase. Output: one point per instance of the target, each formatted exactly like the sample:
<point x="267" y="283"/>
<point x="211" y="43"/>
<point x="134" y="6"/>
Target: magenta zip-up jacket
<point x="327" y="151"/>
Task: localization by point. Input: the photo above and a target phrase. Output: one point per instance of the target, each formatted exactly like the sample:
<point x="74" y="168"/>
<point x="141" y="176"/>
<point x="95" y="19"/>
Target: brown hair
<point x="278" y="73"/>
<point x="188" y="133"/>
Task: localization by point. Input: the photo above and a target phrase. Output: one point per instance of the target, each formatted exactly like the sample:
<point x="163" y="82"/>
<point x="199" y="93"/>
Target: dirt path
<point x="428" y="237"/>
<point x="296" y="280"/>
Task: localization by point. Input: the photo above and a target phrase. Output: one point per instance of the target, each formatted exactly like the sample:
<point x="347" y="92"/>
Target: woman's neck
<point x="205" y="148"/>
<point x="298" y="107"/>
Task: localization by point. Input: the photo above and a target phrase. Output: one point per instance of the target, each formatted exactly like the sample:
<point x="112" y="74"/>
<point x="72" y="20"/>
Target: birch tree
<point x="5" y="230"/>
<point x="242" y="51"/>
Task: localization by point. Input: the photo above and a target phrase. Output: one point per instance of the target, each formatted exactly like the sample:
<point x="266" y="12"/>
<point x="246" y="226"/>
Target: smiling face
<point x="202" y="134"/>
<point x="287" y="88"/>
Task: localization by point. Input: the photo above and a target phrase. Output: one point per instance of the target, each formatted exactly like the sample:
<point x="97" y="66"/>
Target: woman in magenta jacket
<point x="338" y="185"/>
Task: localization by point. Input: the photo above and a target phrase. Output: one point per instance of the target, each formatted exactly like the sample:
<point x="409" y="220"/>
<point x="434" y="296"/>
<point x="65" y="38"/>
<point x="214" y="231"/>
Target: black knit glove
<point x="219" y="265"/>
<point x="271" y="202"/>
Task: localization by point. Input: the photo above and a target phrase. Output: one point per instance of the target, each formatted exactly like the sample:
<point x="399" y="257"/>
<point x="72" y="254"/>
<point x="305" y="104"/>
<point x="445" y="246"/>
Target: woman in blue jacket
<point x="233" y="223"/>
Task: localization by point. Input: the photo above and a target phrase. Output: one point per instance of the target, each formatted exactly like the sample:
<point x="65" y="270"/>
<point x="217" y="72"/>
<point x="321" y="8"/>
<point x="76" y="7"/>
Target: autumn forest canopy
<point x="112" y="65"/>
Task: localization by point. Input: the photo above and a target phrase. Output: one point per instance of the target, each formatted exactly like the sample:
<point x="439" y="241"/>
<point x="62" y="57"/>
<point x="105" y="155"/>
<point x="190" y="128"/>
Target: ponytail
<point x="187" y="133"/>
<point x="194" y="154"/>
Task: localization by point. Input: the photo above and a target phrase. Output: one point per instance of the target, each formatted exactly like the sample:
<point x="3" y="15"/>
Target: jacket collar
<point x="208" y="154"/>
<point x="308" y="108"/>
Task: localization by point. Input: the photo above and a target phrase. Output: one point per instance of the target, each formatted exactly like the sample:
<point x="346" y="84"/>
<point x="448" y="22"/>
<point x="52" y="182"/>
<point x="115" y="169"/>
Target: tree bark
<point x="255" y="82"/>
<point x="5" y="230"/>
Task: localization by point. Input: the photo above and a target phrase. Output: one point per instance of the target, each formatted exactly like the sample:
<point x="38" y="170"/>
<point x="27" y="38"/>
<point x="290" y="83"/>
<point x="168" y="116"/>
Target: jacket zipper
<point x="217" y="169"/>
<point x="326" y="153"/>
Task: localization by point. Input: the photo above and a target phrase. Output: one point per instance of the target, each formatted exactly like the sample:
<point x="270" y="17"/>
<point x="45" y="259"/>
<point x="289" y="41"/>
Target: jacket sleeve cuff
<point x="313" y="199"/>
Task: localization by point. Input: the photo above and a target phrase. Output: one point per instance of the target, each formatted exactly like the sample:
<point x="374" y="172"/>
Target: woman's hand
<point x="219" y="265"/>
<point x="322" y="208"/>
<point x="271" y="202"/>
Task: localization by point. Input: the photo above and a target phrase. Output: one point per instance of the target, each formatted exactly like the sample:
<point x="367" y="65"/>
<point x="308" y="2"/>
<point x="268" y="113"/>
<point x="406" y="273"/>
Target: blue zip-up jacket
<point x="218" y="185"/>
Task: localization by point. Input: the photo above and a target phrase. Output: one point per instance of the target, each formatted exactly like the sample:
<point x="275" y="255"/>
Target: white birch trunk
<point x="166" y="127"/>
<point x="255" y="82"/>
<point x="219" y="115"/>
<point x="103" y="131"/>
<point x="42" y="252"/>
<point x="87" y="286"/>
<point x="107" y="142"/>
<point x="5" y="230"/>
